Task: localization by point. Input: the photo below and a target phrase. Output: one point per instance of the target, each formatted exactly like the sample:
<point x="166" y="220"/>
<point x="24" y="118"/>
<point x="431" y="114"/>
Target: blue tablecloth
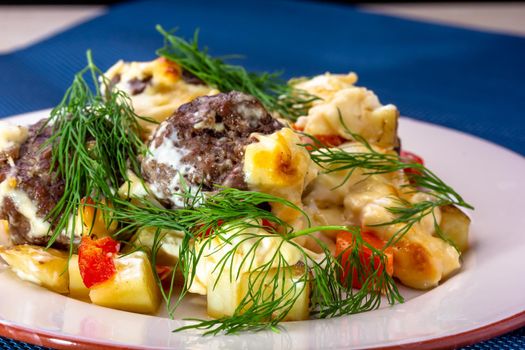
<point x="468" y="80"/>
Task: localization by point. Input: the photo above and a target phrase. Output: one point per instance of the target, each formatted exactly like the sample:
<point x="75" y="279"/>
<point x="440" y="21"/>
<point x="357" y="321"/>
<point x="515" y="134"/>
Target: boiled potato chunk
<point x="223" y="296"/>
<point x="415" y="266"/>
<point x="226" y="295"/>
<point x="455" y="226"/>
<point x="45" y="267"/>
<point x="421" y="261"/>
<point x="168" y="251"/>
<point x="277" y="165"/>
<point x="134" y="188"/>
<point x="96" y="221"/>
<point x="77" y="288"/>
<point x="133" y="288"/>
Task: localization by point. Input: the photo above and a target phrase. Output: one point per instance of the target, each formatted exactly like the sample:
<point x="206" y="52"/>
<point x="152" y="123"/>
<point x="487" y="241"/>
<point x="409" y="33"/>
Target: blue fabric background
<point x="470" y="81"/>
<point x="467" y="80"/>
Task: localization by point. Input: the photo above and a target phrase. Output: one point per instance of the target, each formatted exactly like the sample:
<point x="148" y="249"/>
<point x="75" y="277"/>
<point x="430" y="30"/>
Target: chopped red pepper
<point x="267" y="224"/>
<point x="209" y="230"/>
<point x="330" y="140"/>
<point x="164" y="272"/>
<point x="296" y="127"/>
<point x="95" y="259"/>
<point x="325" y="140"/>
<point x="345" y="239"/>
<point x="411" y="158"/>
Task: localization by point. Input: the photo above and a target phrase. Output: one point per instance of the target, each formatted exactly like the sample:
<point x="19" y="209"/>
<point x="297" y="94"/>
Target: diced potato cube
<point x="135" y="188"/>
<point x="133" y="288"/>
<point x="168" y="252"/>
<point x="294" y="281"/>
<point x="223" y="296"/>
<point x="45" y="267"/>
<point x="96" y="221"/>
<point x="455" y="226"/>
<point x="77" y="288"/>
<point x="415" y="265"/>
<point x="228" y="294"/>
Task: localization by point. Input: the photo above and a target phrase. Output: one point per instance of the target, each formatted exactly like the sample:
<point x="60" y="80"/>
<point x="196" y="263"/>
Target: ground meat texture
<point x="32" y="176"/>
<point x="204" y="142"/>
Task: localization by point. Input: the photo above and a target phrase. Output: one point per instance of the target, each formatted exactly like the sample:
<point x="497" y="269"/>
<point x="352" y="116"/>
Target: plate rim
<point x="64" y="341"/>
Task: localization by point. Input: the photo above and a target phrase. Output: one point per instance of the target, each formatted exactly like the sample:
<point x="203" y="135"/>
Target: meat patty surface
<point x="29" y="190"/>
<point x="202" y="144"/>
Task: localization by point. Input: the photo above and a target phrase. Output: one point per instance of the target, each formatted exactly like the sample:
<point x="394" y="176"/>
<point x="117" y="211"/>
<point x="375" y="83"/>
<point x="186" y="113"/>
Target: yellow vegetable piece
<point x="277" y="165"/>
<point x="168" y="250"/>
<point x="12" y="182"/>
<point x="135" y="188"/>
<point x="359" y="108"/>
<point x="225" y="297"/>
<point x="455" y="226"/>
<point x="96" y="221"/>
<point x="77" y="288"/>
<point x="133" y="288"/>
<point x="45" y="267"/>
<point x="5" y="238"/>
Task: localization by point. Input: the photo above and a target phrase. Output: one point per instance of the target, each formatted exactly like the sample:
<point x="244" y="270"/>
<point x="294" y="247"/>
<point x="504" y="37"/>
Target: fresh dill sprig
<point x="274" y="93"/>
<point x="408" y="214"/>
<point x="230" y="217"/>
<point x="95" y="141"/>
<point x="373" y="162"/>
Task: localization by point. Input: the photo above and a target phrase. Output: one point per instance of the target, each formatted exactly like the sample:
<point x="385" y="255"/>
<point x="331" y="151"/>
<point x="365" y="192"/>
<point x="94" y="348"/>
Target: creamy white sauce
<point x="170" y="155"/>
<point x="251" y="113"/>
<point x="38" y="226"/>
<point x="11" y="136"/>
<point x="131" y="267"/>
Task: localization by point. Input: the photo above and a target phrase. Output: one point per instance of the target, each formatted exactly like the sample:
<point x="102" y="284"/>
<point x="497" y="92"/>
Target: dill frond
<point x="274" y="93"/>
<point x="372" y="162"/>
<point x="230" y="215"/>
<point x="95" y="140"/>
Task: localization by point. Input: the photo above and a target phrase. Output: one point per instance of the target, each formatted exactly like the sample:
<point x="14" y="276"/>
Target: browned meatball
<point x="31" y="176"/>
<point x="203" y="142"/>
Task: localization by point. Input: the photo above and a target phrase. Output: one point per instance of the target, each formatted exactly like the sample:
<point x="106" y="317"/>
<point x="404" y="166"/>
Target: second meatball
<point x="202" y="144"/>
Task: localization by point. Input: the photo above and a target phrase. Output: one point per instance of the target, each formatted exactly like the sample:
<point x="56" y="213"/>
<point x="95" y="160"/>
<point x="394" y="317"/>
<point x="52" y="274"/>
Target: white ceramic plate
<point x="485" y="299"/>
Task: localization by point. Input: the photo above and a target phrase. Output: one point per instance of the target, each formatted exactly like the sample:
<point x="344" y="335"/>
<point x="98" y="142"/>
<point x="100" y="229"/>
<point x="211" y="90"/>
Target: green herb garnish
<point x="239" y="213"/>
<point x="274" y="93"/>
<point x="372" y="162"/>
<point x="95" y="140"/>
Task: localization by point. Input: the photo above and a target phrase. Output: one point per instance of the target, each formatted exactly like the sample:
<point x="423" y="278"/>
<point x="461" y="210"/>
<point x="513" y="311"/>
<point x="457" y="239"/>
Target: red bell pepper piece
<point x="95" y="259"/>
<point x="325" y="140"/>
<point x="345" y="240"/>
<point x="411" y="158"/>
